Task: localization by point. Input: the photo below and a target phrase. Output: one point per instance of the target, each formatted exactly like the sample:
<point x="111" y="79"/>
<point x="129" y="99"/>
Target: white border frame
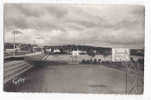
<point x="66" y="96"/>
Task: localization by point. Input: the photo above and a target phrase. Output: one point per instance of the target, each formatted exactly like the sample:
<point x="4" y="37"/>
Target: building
<point x="120" y="54"/>
<point x="56" y="51"/>
<point x="48" y="50"/>
<point x="75" y="52"/>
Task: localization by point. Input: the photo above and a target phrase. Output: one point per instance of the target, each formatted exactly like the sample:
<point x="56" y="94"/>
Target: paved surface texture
<point x="74" y="79"/>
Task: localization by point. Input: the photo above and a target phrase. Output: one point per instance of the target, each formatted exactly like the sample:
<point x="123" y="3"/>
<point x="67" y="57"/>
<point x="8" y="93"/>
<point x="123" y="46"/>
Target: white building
<point x="75" y="52"/>
<point x="120" y="54"/>
<point x="48" y="50"/>
<point x="56" y="51"/>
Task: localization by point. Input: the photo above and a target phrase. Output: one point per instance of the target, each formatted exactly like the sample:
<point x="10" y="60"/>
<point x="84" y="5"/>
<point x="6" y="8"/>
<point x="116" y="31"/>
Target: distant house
<point x="78" y="52"/>
<point x="56" y="51"/>
<point x="49" y="50"/>
<point x="75" y="52"/>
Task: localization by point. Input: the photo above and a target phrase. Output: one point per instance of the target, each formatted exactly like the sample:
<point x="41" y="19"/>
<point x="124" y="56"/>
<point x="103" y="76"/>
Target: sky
<point x="87" y="24"/>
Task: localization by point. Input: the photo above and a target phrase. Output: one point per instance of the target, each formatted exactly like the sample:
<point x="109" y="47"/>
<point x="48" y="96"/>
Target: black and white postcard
<point x="74" y="48"/>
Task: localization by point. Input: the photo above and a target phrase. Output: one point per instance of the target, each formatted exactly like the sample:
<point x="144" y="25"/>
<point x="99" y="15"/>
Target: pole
<point x="126" y="84"/>
<point x="14" y="44"/>
<point x="136" y="78"/>
<point x="126" y="80"/>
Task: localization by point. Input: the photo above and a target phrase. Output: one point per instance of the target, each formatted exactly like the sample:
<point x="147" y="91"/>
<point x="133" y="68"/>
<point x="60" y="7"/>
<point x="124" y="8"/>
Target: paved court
<point x="75" y="78"/>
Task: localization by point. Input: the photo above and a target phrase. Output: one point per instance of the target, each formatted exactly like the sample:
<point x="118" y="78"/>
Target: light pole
<point x="15" y="32"/>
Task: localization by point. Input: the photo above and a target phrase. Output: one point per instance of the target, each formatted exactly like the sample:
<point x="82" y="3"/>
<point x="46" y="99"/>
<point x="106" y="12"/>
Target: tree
<point x="91" y="53"/>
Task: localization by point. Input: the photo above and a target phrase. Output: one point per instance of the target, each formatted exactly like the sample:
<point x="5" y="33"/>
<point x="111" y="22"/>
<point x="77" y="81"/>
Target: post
<point x="136" y="78"/>
<point x="126" y="77"/>
<point x="126" y="84"/>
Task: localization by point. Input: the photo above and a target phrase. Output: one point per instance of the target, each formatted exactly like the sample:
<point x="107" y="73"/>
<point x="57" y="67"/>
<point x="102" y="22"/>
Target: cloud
<point x="57" y="11"/>
<point x="101" y="25"/>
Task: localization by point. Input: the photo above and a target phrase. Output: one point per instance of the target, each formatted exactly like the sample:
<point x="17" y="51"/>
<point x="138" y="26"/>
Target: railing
<point x="14" y="69"/>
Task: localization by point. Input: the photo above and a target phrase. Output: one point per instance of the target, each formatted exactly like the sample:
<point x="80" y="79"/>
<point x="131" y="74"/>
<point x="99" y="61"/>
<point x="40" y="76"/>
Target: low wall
<point x="76" y="59"/>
